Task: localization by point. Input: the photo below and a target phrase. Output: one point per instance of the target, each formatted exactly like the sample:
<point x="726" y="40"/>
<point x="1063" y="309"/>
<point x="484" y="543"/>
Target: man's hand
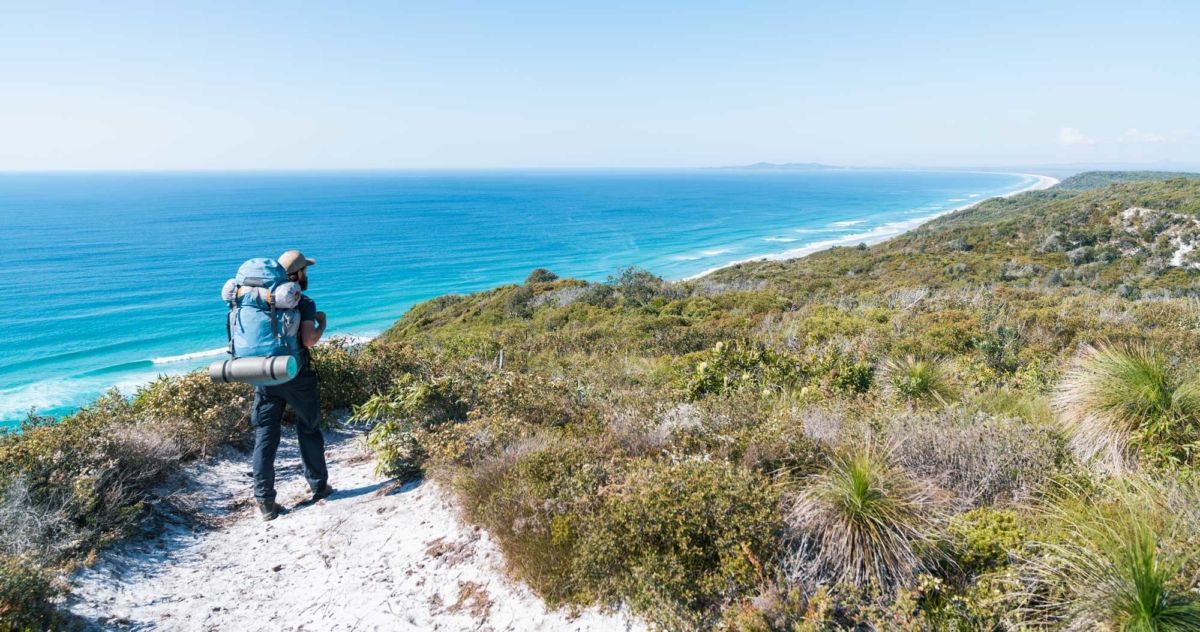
<point x="310" y="332"/>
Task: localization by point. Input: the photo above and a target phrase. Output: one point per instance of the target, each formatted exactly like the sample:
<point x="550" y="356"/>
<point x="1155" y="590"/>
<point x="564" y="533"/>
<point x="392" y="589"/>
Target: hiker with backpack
<point x="272" y="325"/>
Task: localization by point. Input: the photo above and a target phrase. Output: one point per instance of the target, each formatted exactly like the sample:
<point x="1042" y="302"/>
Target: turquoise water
<point x="111" y="279"/>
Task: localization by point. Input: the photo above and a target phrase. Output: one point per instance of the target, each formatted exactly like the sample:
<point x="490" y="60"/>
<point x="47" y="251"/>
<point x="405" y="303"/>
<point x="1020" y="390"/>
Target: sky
<point x="434" y="85"/>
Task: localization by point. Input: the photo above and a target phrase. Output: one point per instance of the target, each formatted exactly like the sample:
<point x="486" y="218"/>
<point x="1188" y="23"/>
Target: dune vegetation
<point x="989" y="423"/>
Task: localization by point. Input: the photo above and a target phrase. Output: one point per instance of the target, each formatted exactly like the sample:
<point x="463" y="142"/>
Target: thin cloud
<point x="1072" y="136"/>
<point x="1182" y="136"/>
<point x="1134" y="135"/>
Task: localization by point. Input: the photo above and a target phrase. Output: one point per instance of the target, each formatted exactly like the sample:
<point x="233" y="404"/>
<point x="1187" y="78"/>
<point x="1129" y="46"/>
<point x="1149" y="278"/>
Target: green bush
<point x="741" y="365"/>
<point x="517" y="303"/>
<point x="26" y="594"/>
<point x="198" y="413"/>
<point x="637" y="287"/>
<point x="680" y="541"/>
<point x="598" y="295"/>
<point x="537" y="497"/>
<point x="85" y="477"/>
<point x="984" y="540"/>
<point x="340" y="373"/>
<point x="540" y="275"/>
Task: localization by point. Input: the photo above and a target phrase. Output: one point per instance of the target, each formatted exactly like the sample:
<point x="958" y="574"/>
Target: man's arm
<point x="311" y="332"/>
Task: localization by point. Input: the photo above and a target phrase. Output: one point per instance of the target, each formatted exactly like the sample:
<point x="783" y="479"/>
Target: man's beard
<point x="303" y="284"/>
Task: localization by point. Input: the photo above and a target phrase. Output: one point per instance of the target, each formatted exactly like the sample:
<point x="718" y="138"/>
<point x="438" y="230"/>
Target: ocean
<point x="109" y="280"/>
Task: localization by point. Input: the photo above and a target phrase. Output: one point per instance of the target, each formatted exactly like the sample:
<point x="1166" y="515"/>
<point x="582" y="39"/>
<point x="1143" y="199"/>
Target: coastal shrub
<point x="984" y="540"/>
<point x="776" y="608"/>
<point x="197" y="413"/>
<point x="748" y="365"/>
<point x="862" y="522"/>
<point x="537" y="496"/>
<point x="598" y="295"/>
<point x="638" y="287"/>
<point x="398" y="451"/>
<point x="74" y="484"/>
<point x="339" y="367"/>
<point x="26" y="596"/>
<point x="403" y="414"/>
<point x="417" y="401"/>
<point x="981" y="459"/>
<point x="1031" y="407"/>
<point x="764" y="434"/>
<point x="540" y="275"/>
<point x="925" y="381"/>
<point x="1123" y="558"/>
<point x="741" y="365"/>
<point x="678" y="541"/>
<point x="517" y="303"/>
<point x="841" y="373"/>
<point x="381" y="363"/>
<point x="1118" y="399"/>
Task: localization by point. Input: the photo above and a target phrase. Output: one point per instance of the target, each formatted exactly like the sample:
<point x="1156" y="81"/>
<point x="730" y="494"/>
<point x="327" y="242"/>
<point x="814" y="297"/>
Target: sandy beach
<point x="878" y="234"/>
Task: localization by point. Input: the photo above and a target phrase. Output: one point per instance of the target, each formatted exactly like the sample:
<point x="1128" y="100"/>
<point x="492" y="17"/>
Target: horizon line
<point x="831" y="167"/>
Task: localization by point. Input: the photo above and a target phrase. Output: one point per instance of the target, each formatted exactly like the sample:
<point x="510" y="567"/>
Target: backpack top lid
<point x="261" y="272"/>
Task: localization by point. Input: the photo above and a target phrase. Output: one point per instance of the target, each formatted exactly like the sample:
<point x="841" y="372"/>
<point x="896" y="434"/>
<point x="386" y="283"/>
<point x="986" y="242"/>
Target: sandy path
<point x="371" y="557"/>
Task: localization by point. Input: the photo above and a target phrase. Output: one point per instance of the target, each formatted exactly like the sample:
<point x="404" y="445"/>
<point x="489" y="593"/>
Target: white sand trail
<point x="374" y="556"/>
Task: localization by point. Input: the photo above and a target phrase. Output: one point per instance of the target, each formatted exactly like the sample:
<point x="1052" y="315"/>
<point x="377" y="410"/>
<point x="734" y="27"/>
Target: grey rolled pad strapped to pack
<point x="251" y="370"/>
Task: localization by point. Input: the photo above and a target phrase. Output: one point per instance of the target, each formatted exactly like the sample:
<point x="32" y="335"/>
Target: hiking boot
<point x="269" y="511"/>
<point x="325" y="492"/>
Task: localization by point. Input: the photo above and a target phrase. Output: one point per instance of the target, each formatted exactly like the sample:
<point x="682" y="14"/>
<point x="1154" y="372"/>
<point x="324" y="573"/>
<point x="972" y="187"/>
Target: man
<point x="302" y="394"/>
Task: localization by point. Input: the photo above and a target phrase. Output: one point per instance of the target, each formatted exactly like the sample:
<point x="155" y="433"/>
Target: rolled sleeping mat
<point x="260" y="371"/>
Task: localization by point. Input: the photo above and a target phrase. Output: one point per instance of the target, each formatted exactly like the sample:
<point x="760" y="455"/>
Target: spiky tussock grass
<point x="1125" y="560"/>
<point x="862" y="521"/>
<point x="1118" y="400"/>
<point x="924" y="380"/>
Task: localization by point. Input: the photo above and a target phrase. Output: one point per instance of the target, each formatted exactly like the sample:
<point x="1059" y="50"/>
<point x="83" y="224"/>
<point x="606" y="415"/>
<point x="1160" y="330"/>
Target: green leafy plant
<point x="26" y="594"/>
<point x="340" y="370"/>
<point x="984" y="540"/>
<point x="200" y="414"/>
<point x="680" y="541"/>
<point x="637" y="286"/>
<point x="540" y="275"/>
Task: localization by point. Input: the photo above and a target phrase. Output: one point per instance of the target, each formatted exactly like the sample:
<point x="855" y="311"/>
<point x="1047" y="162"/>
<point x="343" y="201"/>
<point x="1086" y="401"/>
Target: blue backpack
<point x="264" y="315"/>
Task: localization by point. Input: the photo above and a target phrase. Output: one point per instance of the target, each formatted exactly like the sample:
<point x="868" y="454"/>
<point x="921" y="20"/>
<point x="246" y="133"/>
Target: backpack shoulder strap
<point x="229" y="319"/>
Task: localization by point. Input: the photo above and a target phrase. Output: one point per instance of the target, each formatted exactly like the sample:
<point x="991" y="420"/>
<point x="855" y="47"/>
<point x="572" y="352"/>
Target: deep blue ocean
<point x="111" y="279"/>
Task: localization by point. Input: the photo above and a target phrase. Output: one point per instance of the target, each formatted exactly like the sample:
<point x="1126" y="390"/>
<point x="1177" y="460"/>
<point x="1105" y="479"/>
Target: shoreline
<point x="878" y="234"/>
<point x="177" y="364"/>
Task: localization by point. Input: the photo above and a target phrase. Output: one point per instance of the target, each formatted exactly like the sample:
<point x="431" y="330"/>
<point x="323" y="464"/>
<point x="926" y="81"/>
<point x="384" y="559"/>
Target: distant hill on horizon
<point x="788" y="166"/>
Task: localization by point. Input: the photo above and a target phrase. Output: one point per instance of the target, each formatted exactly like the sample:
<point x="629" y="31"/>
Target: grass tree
<point x="862" y="521"/>
<point x="1123" y="560"/>
<point x="1118" y="400"/>
<point x="919" y="380"/>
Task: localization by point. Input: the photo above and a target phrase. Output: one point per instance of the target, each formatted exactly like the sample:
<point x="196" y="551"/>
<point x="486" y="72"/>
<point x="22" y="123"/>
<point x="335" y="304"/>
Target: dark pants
<point x="301" y="392"/>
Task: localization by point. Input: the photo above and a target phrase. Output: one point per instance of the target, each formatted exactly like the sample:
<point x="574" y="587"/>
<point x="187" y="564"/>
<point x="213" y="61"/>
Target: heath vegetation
<point x="989" y="423"/>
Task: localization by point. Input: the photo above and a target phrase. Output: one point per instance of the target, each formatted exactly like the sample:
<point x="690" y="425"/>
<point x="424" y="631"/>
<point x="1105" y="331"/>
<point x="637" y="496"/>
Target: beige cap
<point x="293" y="261"/>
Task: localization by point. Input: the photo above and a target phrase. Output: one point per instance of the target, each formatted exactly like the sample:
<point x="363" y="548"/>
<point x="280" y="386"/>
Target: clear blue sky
<point x="259" y="85"/>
